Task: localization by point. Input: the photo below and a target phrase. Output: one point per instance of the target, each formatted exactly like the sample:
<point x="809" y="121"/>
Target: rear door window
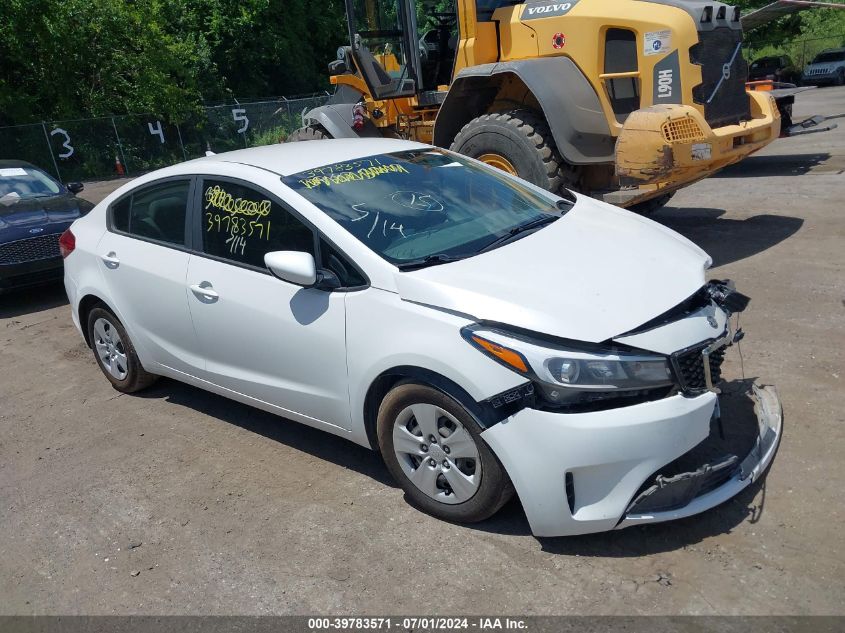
<point x="154" y="213"/>
<point x="242" y="224"/>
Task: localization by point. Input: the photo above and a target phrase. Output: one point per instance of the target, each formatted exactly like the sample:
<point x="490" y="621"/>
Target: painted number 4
<point x="156" y="131"/>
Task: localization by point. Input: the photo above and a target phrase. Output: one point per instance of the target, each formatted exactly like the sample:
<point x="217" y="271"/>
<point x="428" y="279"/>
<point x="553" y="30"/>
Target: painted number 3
<point x="66" y="144"/>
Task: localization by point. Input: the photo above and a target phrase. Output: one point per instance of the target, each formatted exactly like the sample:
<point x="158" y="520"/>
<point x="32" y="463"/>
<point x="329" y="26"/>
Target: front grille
<point x="817" y="71"/>
<point x="731" y="103"/>
<point x="682" y="130"/>
<point x="689" y="367"/>
<point x="30" y="249"/>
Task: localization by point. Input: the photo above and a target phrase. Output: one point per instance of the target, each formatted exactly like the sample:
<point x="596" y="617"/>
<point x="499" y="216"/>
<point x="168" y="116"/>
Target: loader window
<point x="620" y="57"/>
<point x="379" y="31"/>
<point x="484" y="8"/>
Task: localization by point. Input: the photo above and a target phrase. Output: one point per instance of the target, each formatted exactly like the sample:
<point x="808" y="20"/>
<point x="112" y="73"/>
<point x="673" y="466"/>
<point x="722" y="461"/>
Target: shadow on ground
<point x="303" y="438"/>
<point x="511" y="520"/>
<point x="782" y="165"/>
<point x="30" y="300"/>
<point x="727" y="240"/>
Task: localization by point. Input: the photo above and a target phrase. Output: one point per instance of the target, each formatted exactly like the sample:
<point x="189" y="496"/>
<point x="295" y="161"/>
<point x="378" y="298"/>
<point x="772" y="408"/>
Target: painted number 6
<point x="66" y="144"/>
<point x="239" y="114"/>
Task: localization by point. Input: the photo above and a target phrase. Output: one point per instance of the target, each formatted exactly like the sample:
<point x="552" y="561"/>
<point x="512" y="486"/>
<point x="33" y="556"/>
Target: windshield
<point x="26" y="182"/>
<point x="825" y="58"/>
<point x="412" y="205"/>
<point x="766" y="62"/>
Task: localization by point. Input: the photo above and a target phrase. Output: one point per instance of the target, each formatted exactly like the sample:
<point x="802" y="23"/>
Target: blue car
<point x="35" y="210"/>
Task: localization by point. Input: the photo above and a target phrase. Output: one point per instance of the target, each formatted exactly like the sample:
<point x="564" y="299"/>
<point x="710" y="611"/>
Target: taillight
<point x="67" y="242"/>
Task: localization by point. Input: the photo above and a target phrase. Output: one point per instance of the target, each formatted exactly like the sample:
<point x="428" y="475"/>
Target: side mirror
<point x="293" y="266"/>
<point x="327" y="280"/>
<point x="75" y="187"/>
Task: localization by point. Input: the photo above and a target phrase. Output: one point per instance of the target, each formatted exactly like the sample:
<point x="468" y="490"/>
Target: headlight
<point x="566" y="375"/>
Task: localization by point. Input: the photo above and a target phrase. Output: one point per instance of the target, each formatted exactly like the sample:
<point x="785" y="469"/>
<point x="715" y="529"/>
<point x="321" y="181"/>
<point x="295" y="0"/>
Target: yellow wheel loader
<point x="627" y="100"/>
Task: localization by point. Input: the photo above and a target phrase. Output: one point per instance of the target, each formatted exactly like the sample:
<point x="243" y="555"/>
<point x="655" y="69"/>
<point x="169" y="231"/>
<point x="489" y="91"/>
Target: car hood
<point x="596" y="273"/>
<point x="825" y="66"/>
<point x="17" y="214"/>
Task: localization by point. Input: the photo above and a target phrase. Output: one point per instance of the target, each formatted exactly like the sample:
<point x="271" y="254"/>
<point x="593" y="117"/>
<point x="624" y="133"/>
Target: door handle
<point x="205" y="292"/>
<point x="110" y="260"/>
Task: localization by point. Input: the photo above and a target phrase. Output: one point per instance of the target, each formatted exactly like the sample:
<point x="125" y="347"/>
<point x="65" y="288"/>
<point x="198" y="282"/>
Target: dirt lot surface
<point x="177" y="501"/>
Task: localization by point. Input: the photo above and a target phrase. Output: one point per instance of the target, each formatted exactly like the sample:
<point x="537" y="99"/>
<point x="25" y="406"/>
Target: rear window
<point x="156" y="213"/>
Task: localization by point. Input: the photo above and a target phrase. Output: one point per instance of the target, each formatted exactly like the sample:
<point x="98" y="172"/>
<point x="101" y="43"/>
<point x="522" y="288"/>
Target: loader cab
<point x="395" y="56"/>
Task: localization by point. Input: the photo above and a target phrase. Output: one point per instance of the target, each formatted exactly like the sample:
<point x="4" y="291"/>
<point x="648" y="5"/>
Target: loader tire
<point x="519" y="142"/>
<point x="651" y="206"/>
<point x="307" y="133"/>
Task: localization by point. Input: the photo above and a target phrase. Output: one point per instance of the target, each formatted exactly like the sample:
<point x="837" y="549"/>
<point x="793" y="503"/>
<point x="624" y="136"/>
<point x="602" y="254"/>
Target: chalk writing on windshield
<point x="375" y="226"/>
<point x="417" y="201"/>
<point x="332" y="176"/>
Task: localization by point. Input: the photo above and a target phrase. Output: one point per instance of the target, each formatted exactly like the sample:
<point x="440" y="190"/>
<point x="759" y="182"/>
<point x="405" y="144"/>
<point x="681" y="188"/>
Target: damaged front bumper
<point x="689" y="493"/>
<point x="579" y="473"/>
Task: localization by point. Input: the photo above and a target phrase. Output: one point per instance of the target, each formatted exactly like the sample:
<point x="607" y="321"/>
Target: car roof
<point x="14" y="163"/>
<point x="291" y="158"/>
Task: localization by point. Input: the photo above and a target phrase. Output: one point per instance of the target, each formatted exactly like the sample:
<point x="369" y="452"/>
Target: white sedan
<point x="484" y="335"/>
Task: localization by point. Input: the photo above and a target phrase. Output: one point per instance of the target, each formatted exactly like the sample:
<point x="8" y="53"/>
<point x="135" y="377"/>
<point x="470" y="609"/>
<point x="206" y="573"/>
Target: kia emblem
<point x="36" y="230"/>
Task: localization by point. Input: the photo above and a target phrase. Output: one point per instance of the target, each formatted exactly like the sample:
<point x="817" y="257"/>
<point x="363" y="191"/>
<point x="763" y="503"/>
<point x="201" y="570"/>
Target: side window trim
<point x="130" y="195"/>
<point x="197" y="212"/>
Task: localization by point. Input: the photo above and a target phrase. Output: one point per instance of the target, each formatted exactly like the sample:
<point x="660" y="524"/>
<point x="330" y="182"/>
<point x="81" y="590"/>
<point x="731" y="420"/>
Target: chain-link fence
<point x="105" y="147"/>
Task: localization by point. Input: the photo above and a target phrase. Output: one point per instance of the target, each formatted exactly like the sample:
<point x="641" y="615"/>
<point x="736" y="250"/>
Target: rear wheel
<point x="307" y="133"/>
<point x="520" y="143"/>
<point x="115" y="353"/>
<point x="433" y="448"/>
<point x="652" y="205"/>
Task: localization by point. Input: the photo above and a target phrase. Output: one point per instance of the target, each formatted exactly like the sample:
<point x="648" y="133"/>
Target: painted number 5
<point x="239" y="114"/>
<point x="66" y="144"/>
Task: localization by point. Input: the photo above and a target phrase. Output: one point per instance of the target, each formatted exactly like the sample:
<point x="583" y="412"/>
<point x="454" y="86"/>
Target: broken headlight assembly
<point x="566" y="376"/>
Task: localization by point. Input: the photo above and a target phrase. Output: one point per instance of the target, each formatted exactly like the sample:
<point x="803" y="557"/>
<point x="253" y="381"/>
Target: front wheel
<point x="518" y="142"/>
<point x="433" y="448"/>
<point x="652" y="205"/>
<point x="307" y="133"/>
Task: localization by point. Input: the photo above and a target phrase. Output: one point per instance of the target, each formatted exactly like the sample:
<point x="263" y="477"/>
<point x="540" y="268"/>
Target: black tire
<point x="137" y="377"/>
<point x="524" y="139"/>
<point x="307" y="133"/>
<point x="840" y="77"/>
<point x="495" y="488"/>
<point x="652" y="205"/>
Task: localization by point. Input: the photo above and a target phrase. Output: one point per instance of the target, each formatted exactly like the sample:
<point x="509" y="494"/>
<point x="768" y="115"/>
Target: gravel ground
<point x="176" y="501"/>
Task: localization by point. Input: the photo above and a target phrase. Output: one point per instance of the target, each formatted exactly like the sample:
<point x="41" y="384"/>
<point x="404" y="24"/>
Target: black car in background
<point x="35" y="210"/>
<point x="777" y="68"/>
